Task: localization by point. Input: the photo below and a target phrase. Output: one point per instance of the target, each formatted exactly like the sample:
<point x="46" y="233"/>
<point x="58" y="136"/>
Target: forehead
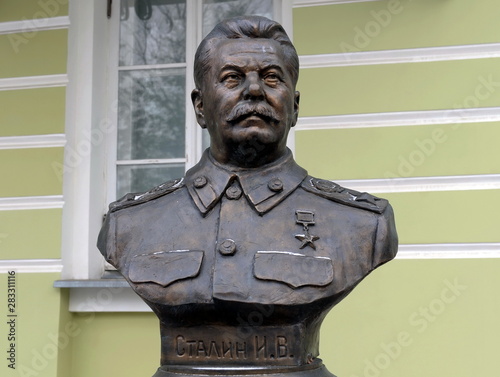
<point x="244" y="52"/>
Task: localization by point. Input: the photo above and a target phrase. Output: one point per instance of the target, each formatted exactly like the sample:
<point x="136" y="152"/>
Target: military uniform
<point x="242" y="265"/>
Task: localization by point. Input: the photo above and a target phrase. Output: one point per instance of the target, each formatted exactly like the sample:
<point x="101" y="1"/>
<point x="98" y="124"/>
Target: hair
<point x="241" y="28"/>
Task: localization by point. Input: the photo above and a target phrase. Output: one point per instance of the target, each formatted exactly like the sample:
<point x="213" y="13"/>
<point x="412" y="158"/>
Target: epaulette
<point x="339" y="194"/>
<point x="133" y="199"/>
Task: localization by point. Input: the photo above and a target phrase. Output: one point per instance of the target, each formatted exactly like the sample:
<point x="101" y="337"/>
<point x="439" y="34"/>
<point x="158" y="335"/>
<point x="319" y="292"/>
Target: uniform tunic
<point x="242" y="265"/>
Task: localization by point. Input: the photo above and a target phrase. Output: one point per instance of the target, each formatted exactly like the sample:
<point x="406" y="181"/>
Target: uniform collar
<point x="264" y="187"/>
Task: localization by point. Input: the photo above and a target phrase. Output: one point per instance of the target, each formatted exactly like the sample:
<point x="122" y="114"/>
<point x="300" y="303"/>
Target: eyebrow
<point x="229" y="66"/>
<point x="234" y="66"/>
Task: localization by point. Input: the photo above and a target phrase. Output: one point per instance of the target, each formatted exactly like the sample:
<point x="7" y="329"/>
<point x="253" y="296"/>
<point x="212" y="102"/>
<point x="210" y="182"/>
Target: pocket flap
<point x="294" y="269"/>
<point x="165" y="267"/>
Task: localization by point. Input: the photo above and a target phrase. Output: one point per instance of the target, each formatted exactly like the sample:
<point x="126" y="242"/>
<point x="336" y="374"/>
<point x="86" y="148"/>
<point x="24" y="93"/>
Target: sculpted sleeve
<point x="106" y="242"/>
<point x="386" y="242"/>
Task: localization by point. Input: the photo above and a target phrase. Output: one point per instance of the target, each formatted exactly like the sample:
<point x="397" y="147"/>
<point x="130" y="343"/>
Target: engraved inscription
<point x="270" y="345"/>
<point x="281" y="347"/>
<point x="278" y="349"/>
<point x="261" y="347"/>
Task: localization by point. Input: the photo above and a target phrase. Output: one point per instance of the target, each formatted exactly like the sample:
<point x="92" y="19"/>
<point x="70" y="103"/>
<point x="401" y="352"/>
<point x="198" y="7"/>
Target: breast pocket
<point x="294" y="269"/>
<point x="165" y="267"/>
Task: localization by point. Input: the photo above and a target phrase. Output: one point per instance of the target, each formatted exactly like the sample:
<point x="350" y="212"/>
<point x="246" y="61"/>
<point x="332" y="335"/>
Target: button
<point x="233" y="192"/>
<point x="227" y="247"/>
<point x="200" y="182"/>
<point x="275" y="185"/>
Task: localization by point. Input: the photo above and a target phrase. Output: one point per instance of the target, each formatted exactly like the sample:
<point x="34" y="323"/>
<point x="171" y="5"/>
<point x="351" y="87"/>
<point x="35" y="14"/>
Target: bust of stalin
<point x="243" y="257"/>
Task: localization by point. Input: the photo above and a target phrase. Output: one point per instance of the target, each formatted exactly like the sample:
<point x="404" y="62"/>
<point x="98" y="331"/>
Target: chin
<point x="252" y="134"/>
<point x="248" y="157"/>
<point x="256" y="152"/>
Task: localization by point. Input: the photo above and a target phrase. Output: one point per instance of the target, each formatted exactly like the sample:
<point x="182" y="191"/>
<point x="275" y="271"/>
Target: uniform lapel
<point x="264" y="187"/>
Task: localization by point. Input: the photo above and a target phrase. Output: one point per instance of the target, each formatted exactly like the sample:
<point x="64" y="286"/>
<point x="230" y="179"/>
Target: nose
<point x="253" y="88"/>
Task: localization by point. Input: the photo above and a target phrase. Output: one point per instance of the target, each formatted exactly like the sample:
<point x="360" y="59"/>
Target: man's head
<point x="243" y="28"/>
<point x="246" y="70"/>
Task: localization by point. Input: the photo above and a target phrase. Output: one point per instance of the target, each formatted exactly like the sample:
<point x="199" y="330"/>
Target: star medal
<point x="305" y="218"/>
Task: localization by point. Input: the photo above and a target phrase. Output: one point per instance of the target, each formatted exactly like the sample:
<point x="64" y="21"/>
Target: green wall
<point x="48" y="48"/>
<point x="46" y="115"/>
<point x="15" y="10"/>
<point x="31" y="234"/>
<point x="397" y="24"/>
<point x="38" y="336"/>
<point x="417" y="318"/>
<point x="400" y="87"/>
<point x="128" y="344"/>
<point x="401" y="152"/>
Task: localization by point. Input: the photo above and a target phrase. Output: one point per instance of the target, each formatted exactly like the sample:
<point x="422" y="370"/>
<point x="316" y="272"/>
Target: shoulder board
<point x="133" y="199"/>
<point x="339" y="194"/>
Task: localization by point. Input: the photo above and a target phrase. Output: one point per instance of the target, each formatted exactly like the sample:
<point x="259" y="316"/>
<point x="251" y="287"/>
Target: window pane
<point x="152" y="32"/>
<point x="215" y="11"/>
<point x="140" y="178"/>
<point x="151" y="114"/>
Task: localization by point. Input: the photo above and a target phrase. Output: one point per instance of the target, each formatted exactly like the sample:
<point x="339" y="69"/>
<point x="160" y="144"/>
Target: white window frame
<point x="90" y="154"/>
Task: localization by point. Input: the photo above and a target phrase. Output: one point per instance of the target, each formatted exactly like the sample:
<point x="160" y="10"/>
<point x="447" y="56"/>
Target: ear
<point x="296" y="107"/>
<point x="197" y="99"/>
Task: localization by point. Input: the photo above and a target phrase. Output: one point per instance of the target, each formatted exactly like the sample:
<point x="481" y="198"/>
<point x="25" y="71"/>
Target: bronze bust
<point x="243" y="257"/>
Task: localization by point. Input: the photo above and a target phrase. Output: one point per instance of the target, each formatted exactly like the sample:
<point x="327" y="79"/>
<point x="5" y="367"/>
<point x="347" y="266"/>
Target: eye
<point x="272" y="78"/>
<point x="231" y="79"/>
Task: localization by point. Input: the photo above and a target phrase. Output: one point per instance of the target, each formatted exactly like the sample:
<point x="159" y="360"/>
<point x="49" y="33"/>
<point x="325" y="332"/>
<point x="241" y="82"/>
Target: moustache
<point x="246" y="109"/>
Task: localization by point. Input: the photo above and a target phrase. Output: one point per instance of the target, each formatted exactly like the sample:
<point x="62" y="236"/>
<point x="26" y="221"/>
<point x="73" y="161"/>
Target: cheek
<point x="282" y="95"/>
<point x="226" y="104"/>
<point x="283" y="102"/>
